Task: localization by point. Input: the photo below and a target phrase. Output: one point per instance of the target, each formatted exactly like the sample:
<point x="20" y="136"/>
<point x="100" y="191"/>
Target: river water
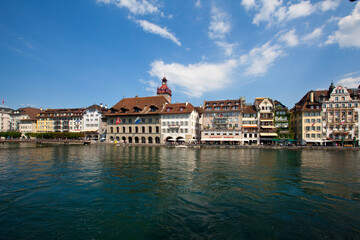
<point x="110" y="192"/>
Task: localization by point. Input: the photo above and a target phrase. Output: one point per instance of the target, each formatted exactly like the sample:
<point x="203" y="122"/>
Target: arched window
<point x="150" y="129"/>
<point x="143" y="140"/>
<point x="150" y="140"/>
<point x="123" y="139"/>
<point x="157" y="129"/>
<point x="111" y="138"/>
<point x="129" y="129"/>
<point x="143" y="130"/>
<point x="136" y="129"/>
<point x="157" y="140"/>
<point x="111" y="130"/>
<point x="124" y="130"/>
<point x="117" y="138"/>
<point x="136" y="140"/>
<point x="117" y="129"/>
<point x="130" y="139"/>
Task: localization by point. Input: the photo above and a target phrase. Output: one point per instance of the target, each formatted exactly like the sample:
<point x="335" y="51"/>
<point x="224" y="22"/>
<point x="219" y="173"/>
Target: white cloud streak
<point x="260" y="59"/>
<point x="195" y="79"/>
<point x="276" y="11"/>
<point x="350" y="82"/>
<point x="155" y="29"/>
<point x="137" y="7"/>
<point x="290" y="38"/>
<point x="219" y="25"/>
<point x="348" y="34"/>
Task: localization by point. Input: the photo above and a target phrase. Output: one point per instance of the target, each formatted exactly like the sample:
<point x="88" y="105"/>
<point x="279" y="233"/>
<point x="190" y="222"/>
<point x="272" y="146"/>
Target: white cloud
<point x="290" y="38"/>
<point x="228" y="47"/>
<point x="140" y="7"/>
<point x="195" y="79"/>
<point x="267" y="10"/>
<point x="327" y="5"/>
<point x="198" y="4"/>
<point x="313" y="35"/>
<point x="155" y="29"/>
<point x="275" y="11"/>
<point x="260" y="59"/>
<point x="350" y="82"/>
<point x="348" y="34"/>
<point x="302" y="9"/>
<point x="149" y="85"/>
<point x="248" y="4"/>
<point x="219" y="25"/>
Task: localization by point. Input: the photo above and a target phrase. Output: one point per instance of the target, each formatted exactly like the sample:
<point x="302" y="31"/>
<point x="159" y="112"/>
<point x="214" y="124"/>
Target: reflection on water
<point x="86" y="192"/>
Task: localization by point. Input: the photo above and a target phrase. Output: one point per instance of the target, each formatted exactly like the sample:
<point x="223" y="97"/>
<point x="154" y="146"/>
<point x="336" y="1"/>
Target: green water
<point x="109" y="192"/>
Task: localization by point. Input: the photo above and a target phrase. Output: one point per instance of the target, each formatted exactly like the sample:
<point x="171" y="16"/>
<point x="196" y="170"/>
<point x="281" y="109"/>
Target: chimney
<point x="136" y="96"/>
<point x="186" y="103"/>
<point x="41" y="108"/>
<point x="311" y="96"/>
<point x="101" y="105"/>
<point x="105" y="106"/>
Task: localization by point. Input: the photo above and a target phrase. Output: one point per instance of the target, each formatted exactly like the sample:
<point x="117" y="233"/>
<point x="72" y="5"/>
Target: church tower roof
<point x="164" y="89"/>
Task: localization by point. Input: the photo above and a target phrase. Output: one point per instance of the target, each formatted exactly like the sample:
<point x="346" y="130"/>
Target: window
<point x="181" y="109"/>
<point x="150" y="129"/>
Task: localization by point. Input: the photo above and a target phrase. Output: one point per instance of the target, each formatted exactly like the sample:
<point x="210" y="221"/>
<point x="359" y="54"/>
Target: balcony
<point x="174" y="126"/>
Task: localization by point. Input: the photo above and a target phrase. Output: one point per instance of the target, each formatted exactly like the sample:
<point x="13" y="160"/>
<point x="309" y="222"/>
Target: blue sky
<point x="56" y="54"/>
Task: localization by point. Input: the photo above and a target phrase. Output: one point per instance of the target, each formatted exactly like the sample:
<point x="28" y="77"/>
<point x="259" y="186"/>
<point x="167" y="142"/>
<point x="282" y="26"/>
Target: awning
<point x="266" y="120"/>
<point x="181" y="140"/>
<point x="268" y="134"/>
<point x="222" y="139"/>
<point x="267" y="127"/>
<point x="255" y="126"/>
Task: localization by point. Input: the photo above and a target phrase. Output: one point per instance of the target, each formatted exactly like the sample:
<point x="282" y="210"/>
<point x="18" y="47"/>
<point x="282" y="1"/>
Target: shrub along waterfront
<point x="56" y="135"/>
<point x="10" y="134"/>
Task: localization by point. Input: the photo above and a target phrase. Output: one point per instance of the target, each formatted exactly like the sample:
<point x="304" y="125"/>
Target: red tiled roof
<point x="222" y="104"/>
<point x="31" y="112"/>
<point x="138" y="106"/>
<point x="175" y="108"/>
<point x="249" y="109"/>
<point x="305" y="104"/>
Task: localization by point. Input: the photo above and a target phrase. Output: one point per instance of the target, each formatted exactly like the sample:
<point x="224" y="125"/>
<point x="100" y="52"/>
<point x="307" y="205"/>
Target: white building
<point x="340" y="113"/>
<point x="92" y="121"/>
<point x="5" y="119"/>
<point x="27" y="122"/>
<point x="180" y="123"/>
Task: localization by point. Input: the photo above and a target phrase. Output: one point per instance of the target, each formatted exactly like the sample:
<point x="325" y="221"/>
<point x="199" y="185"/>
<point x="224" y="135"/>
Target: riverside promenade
<point x="204" y="146"/>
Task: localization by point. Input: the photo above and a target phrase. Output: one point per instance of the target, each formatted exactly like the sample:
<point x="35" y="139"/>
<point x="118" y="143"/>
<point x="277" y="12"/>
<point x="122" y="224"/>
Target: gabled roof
<point x="305" y="103"/>
<point x="97" y="107"/>
<point x="249" y="109"/>
<point x="175" y="108"/>
<point x="144" y="105"/>
<point x="31" y="112"/>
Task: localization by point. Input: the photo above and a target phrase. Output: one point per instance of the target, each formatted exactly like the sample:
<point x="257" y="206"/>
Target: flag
<point x="137" y="120"/>
<point x="118" y="120"/>
<point x="313" y="124"/>
<point x="342" y="122"/>
<point x="3" y="101"/>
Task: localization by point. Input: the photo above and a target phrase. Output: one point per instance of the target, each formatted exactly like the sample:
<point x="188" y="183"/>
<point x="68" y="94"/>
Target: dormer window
<point x="153" y="108"/>
<point x="137" y="109"/>
<point x="181" y="109"/>
<point x="168" y="109"/>
<point x="123" y="110"/>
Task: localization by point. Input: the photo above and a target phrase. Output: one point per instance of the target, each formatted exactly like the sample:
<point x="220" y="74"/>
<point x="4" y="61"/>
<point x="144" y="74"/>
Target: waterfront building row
<point x="321" y="117"/>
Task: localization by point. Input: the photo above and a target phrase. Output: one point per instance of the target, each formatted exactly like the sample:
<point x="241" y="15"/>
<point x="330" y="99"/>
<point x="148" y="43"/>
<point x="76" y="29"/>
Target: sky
<point x="68" y="54"/>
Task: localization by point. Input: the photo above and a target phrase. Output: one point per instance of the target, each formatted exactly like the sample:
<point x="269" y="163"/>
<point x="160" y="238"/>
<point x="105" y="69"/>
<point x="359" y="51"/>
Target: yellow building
<point x="45" y="123"/>
<point x="306" y="119"/>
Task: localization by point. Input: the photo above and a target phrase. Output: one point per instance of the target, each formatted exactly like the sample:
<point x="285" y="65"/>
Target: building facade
<point x="138" y="120"/>
<point x="221" y="122"/>
<point x="180" y="123"/>
<point x="60" y="120"/>
<point x="92" y="121"/>
<point x="250" y="123"/>
<point x="282" y="121"/>
<point x="28" y="120"/>
<point x="265" y="110"/>
<point x="5" y="119"/>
